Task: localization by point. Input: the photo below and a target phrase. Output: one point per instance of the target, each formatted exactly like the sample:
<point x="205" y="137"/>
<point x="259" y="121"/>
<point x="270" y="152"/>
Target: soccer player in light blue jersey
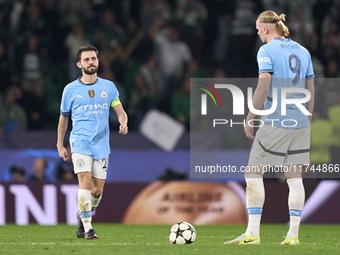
<point x="283" y="64"/>
<point x="88" y="100"/>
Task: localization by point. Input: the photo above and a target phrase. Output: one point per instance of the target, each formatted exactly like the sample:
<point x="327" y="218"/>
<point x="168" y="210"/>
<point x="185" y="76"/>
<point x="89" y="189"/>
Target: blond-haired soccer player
<point x="282" y="63"/>
<point x="88" y="100"/>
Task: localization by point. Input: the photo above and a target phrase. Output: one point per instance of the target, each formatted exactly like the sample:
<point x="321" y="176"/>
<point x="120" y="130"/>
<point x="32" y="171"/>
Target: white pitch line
<point x="27" y="243"/>
<point x="79" y="244"/>
<point x="106" y="244"/>
<point x="82" y="244"/>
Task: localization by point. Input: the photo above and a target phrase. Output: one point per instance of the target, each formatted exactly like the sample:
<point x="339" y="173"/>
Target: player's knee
<point x="292" y="171"/>
<point x="85" y="185"/>
<point x="97" y="192"/>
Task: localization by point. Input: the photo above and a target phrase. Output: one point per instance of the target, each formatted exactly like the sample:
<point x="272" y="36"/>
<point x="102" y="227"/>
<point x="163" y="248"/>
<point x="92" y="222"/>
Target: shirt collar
<point x="88" y="83"/>
<point x="283" y="40"/>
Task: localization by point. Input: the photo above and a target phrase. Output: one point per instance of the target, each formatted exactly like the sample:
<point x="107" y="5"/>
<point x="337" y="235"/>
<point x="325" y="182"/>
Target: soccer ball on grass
<point x="182" y="233"/>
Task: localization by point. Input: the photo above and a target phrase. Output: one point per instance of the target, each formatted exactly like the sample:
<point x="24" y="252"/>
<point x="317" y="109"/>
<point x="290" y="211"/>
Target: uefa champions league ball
<point x="182" y="233"/>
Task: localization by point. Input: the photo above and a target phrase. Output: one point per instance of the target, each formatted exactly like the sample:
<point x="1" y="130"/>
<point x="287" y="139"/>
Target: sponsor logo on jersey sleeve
<point x="264" y="59"/>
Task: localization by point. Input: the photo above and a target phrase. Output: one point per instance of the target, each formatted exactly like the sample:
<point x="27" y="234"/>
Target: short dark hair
<point x="18" y="170"/>
<point x="86" y="48"/>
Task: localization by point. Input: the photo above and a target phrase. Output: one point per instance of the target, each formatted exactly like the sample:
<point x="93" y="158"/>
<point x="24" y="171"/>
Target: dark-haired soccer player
<point x="282" y="63"/>
<point x="88" y="100"/>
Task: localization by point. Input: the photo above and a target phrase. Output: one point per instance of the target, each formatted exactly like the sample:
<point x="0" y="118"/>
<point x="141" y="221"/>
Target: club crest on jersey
<point x="80" y="163"/>
<point x="91" y="93"/>
<point x="103" y="94"/>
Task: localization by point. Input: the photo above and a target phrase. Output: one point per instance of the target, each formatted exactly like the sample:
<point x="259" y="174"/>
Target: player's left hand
<point x="123" y="129"/>
<point x="249" y="130"/>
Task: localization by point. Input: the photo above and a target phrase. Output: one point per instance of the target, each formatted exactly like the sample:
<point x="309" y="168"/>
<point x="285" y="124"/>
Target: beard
<point x="90" y="72"/>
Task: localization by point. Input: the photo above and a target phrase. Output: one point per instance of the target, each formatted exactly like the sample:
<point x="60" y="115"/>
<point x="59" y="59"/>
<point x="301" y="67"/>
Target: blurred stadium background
<point x="149" y="49"/>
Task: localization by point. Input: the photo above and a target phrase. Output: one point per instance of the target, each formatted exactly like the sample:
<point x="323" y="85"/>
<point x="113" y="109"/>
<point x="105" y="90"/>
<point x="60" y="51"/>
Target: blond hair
<point x="272" y="17"/>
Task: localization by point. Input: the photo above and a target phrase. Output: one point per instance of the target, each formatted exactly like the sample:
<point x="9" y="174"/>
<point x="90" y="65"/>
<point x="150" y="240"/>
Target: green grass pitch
<point x="148" y="240"/>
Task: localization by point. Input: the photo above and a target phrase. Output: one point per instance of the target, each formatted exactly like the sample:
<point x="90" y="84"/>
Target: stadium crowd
<point x="148" y="48"/>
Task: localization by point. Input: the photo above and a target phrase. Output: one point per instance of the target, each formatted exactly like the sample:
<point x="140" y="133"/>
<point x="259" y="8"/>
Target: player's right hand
<point x="249" y="130"/>
<point x="63" y="153"/>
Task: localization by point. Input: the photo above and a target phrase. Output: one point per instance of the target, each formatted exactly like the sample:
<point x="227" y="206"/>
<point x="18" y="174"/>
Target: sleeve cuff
<point x="65" y="113"/>
<point x="266" y="71"/>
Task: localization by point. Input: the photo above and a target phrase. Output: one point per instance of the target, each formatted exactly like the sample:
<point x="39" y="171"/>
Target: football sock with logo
<point x="255" y="201"/>
<point x="296" y="201"/>
<point x="95" y="202"/>
<point x="84" y="204"/>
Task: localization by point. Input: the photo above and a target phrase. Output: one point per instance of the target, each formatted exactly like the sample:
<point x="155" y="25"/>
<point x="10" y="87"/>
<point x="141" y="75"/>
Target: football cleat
<point x="80" y="229"/>
<point x="91" y="234"/>
<point x="245" y="239"/>
<point x="291" y="241"/>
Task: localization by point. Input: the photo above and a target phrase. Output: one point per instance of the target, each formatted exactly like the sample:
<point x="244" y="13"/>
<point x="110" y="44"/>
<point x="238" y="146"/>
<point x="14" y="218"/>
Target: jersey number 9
<point x="295" y="69"/>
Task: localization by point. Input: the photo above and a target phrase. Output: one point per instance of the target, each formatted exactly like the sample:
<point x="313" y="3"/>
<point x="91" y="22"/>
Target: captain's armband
<point x="115" y="102"/>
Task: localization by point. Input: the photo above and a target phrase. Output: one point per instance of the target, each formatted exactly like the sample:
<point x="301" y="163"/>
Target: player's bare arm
<point x="259" y="98"/>
<point x="122" y="118"/>
<point x="310" y="103"/>
<point x="62" y="127"/>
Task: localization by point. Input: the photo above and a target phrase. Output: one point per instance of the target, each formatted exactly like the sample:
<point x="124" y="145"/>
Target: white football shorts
<point x="279" y="147"/>
<point x="85" y="163"/>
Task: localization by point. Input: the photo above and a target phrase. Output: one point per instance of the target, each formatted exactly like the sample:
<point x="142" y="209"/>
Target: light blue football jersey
<point x="89" y="106"/>
<point x="290" y="65"/>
